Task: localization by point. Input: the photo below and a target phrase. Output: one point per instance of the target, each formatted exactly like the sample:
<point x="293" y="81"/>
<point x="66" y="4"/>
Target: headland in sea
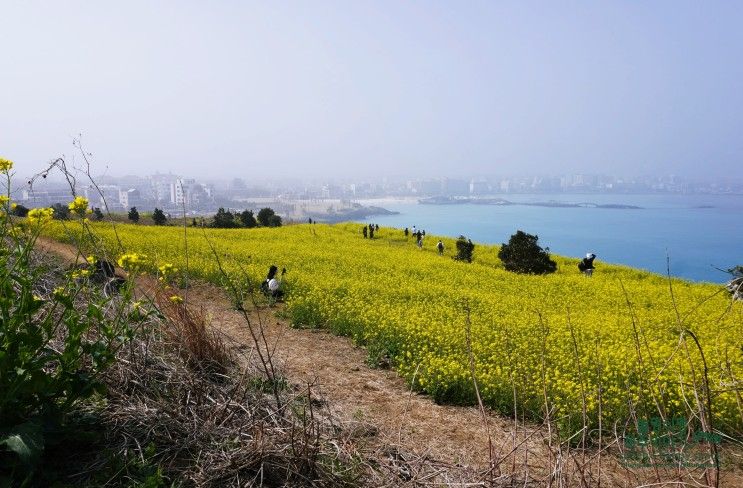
<point x="503" y="201"/>
<point x="693" y="235"/>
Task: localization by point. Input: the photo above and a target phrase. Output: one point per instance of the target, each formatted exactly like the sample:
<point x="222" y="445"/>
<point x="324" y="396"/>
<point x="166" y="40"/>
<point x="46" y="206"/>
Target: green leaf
<point x="26" y="440"/>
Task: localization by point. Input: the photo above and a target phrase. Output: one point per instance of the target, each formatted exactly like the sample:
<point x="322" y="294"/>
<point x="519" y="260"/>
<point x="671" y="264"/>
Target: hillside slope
<point x="612" y="348"/>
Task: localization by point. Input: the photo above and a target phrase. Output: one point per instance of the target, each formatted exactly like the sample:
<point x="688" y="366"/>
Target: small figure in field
<point x="364" y="231"/>
<point x="419" y="236"/>
<point x="371" y="231"/>
<point x="586" y="265"/>
<point x="415" y="232"/>
<point x="406" y="232"/>
<point x="423" y="233"/>
<point x="376" y="227"/>
<point x="271" y="287"/>
<point x="310" y="220"/>
<point x="440" y="247"/>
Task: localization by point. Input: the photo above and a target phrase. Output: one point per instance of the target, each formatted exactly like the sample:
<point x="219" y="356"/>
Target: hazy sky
<point x="375" y="88"/>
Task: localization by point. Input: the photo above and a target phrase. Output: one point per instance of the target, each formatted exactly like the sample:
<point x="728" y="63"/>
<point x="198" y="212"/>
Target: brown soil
<point x="380" y="400"/>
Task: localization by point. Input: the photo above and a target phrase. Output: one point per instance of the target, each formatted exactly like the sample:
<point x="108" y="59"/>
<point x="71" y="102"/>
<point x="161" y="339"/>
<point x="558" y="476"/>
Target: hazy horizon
<point x="375" y="89"/>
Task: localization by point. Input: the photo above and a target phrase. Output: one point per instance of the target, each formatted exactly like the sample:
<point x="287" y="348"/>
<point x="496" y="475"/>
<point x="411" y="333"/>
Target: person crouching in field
<point x="586" y="265"/>
<point x="271" y="287"/>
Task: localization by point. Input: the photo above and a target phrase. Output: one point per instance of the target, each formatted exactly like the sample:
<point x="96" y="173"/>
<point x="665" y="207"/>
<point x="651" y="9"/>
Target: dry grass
<point x="218" y="425"/>
<point x="187" y="329"/>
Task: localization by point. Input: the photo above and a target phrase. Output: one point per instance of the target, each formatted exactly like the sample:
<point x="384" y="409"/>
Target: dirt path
<point x="355" y="392"/>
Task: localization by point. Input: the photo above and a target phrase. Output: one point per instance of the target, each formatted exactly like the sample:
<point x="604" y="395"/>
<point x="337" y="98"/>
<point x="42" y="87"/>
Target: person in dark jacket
<point x="586" y="265"/>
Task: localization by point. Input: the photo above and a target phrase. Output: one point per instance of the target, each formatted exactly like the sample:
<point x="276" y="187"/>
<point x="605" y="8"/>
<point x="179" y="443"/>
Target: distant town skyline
<point x="178" y="191"/>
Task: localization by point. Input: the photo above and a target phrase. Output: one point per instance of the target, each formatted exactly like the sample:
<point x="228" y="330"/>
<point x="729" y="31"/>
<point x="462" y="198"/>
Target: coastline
<point x="503" y="201"/>
<point x="691" y="233"/>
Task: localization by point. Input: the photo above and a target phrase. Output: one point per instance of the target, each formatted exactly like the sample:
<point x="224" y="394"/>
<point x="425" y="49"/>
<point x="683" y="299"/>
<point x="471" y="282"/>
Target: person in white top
<point x="272" y="286"/>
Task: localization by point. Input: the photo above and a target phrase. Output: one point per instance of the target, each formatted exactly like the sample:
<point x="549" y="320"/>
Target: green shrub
<point x="248" y="219"/>
<point x="224" y="219"/>
<point x="133" y="215"/>
<point x="465" y="248"/>
<point x="159" y="217"/>
<point x="522" y="254"/>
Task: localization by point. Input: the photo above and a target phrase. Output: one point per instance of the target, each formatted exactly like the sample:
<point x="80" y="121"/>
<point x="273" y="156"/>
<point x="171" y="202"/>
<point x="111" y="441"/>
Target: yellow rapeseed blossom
<point x="80" y="273"/>
<point x="4" y="199"/>
<point x="40" y="216"/>
<point x="5" y="165"/>
<point x="166" y="271"/>
<point x="78" y="206"/>
<point x="133" y="261"/>
<point x="90" y="259"/>
<point x="176" y="299"/>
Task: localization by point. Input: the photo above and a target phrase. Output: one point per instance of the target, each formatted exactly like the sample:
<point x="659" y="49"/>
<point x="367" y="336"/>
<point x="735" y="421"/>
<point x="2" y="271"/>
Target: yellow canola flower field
<point x="613" y="345"/>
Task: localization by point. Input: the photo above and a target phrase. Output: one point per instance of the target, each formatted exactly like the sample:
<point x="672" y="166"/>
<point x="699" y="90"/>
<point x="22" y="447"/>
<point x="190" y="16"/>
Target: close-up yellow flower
<point x="166" y="271"/>
<point x="5" y="165"/>
<point x="4" y="199"/>
<point x="78" y="206"/>
<point x="176" y="299"/>
<point x="40" y="216"/>
<point x="133" y="261"/>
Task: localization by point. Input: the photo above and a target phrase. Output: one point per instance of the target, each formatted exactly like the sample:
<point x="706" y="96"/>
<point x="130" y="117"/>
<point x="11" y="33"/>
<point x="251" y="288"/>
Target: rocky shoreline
<point x="502" y="201"/>
<point x="344" y="215"/>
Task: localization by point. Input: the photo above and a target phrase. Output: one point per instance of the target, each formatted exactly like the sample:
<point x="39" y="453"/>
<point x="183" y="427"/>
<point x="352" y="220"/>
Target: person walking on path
<point x="440" y="247"/>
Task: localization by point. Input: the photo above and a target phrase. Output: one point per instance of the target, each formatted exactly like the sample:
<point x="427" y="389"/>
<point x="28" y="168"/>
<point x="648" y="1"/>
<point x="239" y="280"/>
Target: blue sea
<point x="698" y="233"/>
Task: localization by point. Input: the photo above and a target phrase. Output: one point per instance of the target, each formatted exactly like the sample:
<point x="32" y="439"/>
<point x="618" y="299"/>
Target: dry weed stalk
<point x="491" y="453"/>
<point x="197" y="341"/>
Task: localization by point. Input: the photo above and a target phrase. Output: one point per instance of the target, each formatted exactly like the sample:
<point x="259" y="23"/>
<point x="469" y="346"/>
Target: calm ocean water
<point x="697" y="232"/>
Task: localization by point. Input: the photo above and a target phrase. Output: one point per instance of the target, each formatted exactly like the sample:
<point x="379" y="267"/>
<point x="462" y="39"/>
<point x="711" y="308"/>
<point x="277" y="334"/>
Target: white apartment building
<point x="130" y="198"/>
